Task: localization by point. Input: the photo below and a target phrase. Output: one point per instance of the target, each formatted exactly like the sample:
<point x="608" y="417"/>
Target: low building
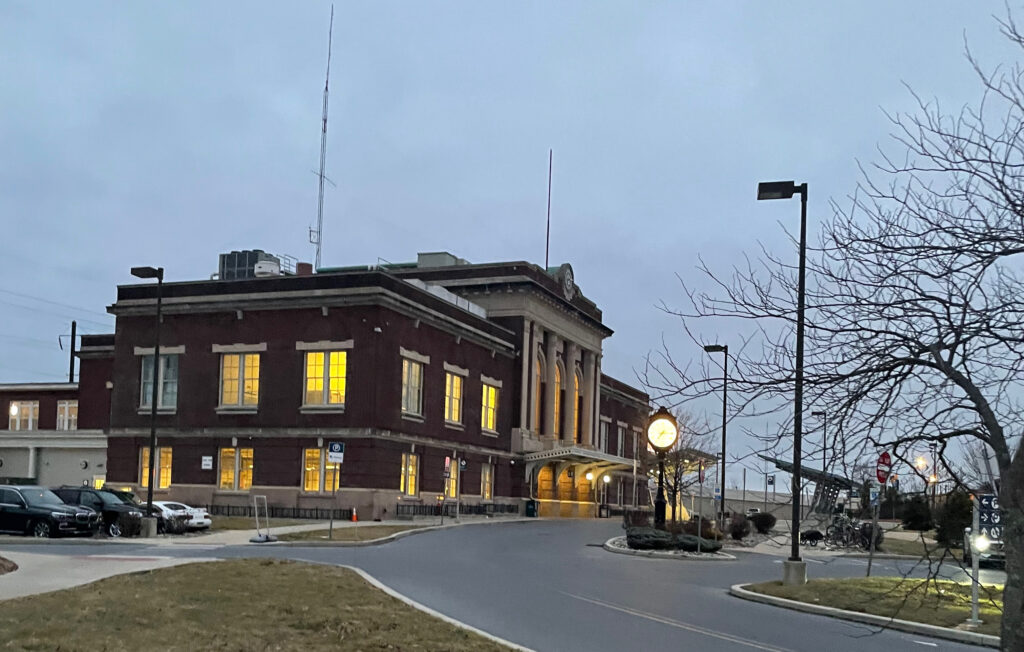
<point x="421" y="369"/>
<point x="45" y="441"/>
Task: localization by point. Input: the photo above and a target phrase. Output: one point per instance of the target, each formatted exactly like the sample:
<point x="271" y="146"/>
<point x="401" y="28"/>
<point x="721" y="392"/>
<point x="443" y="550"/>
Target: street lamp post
<point x="724" y="349"/>
<point x="158" y="274"/>
<point x="794" y="569"/>
<point x="662" y="433"/>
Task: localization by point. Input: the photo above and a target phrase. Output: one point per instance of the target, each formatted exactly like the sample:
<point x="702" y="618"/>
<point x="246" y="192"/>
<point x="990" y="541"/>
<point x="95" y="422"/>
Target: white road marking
<point x="680" y="625"/>
<point x="926" y="643"/>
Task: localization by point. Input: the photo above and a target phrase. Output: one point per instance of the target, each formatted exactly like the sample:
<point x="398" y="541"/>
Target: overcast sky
<point x="145" y="134"/>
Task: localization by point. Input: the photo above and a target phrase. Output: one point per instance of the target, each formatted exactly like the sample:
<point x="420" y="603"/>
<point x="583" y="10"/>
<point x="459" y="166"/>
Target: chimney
<point x="303" y="269"/>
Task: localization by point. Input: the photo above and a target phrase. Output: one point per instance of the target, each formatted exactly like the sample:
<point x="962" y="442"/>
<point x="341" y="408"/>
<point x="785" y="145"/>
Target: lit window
<point x="412" y="387"/>
<point x="489" y="408"/>
<point x="410" y="474"/>
<point x="451" y="483"/>
<point x="168" y="378"/>
<point x="326" y="372"/>
<point x="164" y="458"/>
<point x="453" y="397"/>
<point x="487" y="481"/>
<point x="24" y="415"/>
<point x="311" y="469"/>
<point x="67" y="415"/>
<point x="317" y="467"/>
<point x="240" y="379"/>
<point x="236" y="465"/>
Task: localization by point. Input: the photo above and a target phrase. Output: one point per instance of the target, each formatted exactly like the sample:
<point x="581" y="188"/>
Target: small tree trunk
<point x="1011" y="499"/>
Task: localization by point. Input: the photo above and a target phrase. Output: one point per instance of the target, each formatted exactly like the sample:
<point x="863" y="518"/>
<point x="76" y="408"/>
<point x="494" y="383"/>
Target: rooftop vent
<point x="439" y="259"/>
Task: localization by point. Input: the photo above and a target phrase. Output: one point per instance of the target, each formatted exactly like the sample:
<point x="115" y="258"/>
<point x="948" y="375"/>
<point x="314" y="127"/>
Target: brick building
<point x="495" y="364"/>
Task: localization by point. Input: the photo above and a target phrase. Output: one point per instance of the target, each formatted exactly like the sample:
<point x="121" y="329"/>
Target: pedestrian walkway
<point x="41" y="573"/>
<point x="242" y="537"/>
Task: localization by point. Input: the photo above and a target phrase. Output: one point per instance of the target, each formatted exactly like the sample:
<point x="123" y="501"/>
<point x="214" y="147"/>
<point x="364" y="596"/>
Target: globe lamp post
<point x="662" y="433"/>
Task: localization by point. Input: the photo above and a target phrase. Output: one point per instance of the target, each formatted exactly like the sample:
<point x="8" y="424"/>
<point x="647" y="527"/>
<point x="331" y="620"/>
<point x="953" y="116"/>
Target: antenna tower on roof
<point x="316" y="237"/>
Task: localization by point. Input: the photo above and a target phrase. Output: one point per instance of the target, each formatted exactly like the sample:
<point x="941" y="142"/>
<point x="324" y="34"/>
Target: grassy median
<point x="348" y="533"/>
<point x="919" y="548"/>
<point x="942" y="603"/>
<point x="247" y="604"/>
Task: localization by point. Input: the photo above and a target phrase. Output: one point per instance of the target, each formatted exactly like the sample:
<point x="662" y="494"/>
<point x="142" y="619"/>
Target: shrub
<point x="763" y="521"/>
<point x="706" y="531"/>
<point x="739" y="527"/>
<point x="917" y="515"/>
<point x="648" y="538"/>
<point x="955" y="515"/>
<point x="691" y="543"/>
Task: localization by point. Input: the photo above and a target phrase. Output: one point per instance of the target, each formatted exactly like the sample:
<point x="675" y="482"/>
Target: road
<point x="548" y="585"/>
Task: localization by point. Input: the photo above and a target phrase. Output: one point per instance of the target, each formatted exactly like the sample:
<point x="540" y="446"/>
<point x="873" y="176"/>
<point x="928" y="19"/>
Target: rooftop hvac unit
<point x="267" y="268"/>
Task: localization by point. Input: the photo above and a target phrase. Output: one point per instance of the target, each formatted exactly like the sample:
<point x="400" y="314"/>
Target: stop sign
<point x="883" y="467"/>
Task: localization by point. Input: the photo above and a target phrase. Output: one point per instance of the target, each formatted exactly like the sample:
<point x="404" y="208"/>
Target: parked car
<point x="118" y="517"/>
<point x="994" y="552"/>
<point x="753" y="510"/>
<point x="41" y="513"/>
<point x="198" y="517"/>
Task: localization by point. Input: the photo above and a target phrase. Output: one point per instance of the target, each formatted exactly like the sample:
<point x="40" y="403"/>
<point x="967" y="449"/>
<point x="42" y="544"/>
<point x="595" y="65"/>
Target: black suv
<point x="118" y="518"/>
<point x="41" y="513"/>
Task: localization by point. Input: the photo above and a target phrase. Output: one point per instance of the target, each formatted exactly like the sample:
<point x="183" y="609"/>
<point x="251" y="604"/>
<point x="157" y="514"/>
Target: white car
<point x="198" y="517"/>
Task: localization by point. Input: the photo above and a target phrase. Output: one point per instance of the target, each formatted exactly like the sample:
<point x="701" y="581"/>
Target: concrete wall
<point x="53" y="466"/>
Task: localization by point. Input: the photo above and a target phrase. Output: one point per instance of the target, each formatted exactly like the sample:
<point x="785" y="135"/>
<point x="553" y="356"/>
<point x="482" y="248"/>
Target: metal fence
<point x="410" y="510"/>
<point x="313" y="513"/>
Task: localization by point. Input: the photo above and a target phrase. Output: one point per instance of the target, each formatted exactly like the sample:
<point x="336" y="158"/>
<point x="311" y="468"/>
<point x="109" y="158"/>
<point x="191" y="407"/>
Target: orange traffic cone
<point x="355" y="517"/>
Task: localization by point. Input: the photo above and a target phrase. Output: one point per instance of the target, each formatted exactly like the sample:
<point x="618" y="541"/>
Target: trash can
<point x="531" y="509"/>
<point x="603" y="511"/>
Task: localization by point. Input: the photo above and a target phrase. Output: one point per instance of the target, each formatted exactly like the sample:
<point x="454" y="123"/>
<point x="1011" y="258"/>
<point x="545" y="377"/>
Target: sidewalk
<point x="242" y="537"/>
<point x="41" y="573"/>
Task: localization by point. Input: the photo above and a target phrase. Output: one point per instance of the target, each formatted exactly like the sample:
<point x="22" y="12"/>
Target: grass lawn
<point x="942" y="603"/>
<point x="246" y="604"/>
<point x="362" y="533"/>
<point x="919" y="548"/>
<point x="249" y="523"/>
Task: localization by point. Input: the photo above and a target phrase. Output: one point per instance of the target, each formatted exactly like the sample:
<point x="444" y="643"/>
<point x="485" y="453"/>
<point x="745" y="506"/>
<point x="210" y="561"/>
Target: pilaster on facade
<point x="589" y="401"/>
<point x="551" y="360"/>
<point x="569" y="382"/>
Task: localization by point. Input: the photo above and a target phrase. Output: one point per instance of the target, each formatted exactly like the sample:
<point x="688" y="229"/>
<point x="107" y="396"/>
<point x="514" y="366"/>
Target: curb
<point x="373" y="581"/>
<point x="387" y="539"/>
<point x="658" y="554"/>
<point x="864" y="555"/>
<point x="935" y="631"/>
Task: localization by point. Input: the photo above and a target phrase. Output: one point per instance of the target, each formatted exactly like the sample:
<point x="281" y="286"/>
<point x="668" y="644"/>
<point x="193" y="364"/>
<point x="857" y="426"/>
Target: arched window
<point x="558" y="399"/>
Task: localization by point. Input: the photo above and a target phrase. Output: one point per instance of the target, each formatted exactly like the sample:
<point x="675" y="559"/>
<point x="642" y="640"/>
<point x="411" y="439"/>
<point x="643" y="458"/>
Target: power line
<point x="55" y="303"/>
<point x="56" y="314"/>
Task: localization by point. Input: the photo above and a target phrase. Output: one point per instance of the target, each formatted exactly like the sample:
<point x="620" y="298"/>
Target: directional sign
<point x="990" y="518"/>
<point x="874" y="496"/>
<point x="336" y="452"/>
<point x="771" y="480"/>
<point x="462" y="465"/>
<point x="883" y="467"/>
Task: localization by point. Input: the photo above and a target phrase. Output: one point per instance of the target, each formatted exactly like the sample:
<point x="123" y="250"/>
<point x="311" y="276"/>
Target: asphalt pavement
<point x="548" y="585"/>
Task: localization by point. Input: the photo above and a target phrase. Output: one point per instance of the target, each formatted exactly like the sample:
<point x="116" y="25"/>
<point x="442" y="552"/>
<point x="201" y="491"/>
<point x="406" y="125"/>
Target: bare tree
<point x="915" y="303"/>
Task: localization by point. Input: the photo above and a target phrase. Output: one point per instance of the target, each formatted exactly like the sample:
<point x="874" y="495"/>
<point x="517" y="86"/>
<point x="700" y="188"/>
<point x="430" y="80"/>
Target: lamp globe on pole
<point x="662" y="433"/>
